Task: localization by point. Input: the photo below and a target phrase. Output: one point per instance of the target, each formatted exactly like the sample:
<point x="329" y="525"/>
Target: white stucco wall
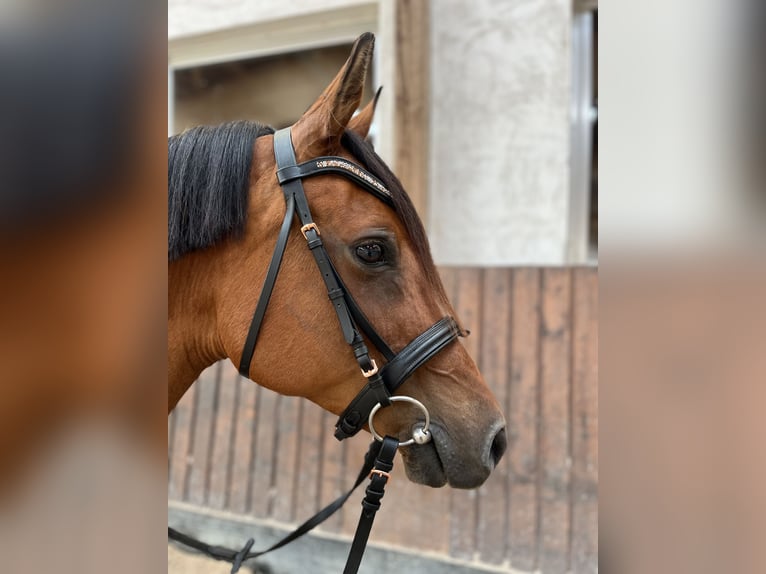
<point x="189" y="17"/>
<point x="499" y="186"/>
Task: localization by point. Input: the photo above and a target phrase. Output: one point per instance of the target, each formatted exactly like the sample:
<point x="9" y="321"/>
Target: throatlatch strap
<point x="268" y="287"/>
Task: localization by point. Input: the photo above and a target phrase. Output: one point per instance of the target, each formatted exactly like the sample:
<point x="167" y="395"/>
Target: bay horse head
<point x="228" y="193"/>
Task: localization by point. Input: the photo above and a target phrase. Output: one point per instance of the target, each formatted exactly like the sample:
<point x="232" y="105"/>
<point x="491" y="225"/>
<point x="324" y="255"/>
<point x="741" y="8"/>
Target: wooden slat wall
<point x="412" y="99"/>
<point x="238" y="447"/>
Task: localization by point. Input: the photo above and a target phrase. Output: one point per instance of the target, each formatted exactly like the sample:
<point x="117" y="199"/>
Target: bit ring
<point x="404" y="399"/>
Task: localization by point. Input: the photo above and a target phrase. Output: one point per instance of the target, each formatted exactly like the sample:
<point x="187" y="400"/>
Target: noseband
<point x="380" y="382"/>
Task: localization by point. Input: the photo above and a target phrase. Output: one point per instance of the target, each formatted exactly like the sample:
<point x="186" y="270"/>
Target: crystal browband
<point x="350" y="167"/>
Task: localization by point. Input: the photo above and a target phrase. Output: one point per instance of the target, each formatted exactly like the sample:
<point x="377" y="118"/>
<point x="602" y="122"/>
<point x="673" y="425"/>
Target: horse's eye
<point x="371" y="253"/>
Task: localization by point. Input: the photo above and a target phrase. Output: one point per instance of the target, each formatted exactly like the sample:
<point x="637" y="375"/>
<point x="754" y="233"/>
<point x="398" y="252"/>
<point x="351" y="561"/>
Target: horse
<point x="225" y="208"/>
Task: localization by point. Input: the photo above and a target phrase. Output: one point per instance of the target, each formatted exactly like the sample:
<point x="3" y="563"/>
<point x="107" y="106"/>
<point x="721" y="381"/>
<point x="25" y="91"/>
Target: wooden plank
<point x="494" y="363"/>
<point x="179" y="462"/>
<point x="223" y="436"/>
<point x="354" y="450"/>
<point x="427" y="507"/>
<point x="523" y="419"/>
<point x="331" y="474"/>
<point x="262" y="494"/>
<point x="467" y="302"/>
<point x="205" y="408"/>
<point x="585" y="423"/>
<point x="240" y="479"/>
<point x="309" y="454"/>
<point x="287" y="468"/>
<point x="411" y="112"/>
<point x="555" y="380"/>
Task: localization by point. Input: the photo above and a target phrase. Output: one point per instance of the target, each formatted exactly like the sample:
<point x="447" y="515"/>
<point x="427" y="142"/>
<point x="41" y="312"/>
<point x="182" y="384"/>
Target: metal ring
<point x="403" y="399"/>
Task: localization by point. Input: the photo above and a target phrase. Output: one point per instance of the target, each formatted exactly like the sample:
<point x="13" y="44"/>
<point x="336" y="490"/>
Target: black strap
<point x="289" y="175"/>
<point x="268" y="287"/>
<point x="337" y="165"/>
<point x="283" y="150"/>
<point x="285" y="154"/>
<point x="362" y="321"/>
<point x="238" y="557"/>
<point x="395" y="372"/>
<point x="419" y="351"/>
<point x="371" y="503"/>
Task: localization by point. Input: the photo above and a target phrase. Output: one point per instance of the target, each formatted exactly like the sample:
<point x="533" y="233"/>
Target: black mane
<point x="208" y="182"/>
<point x="208" y="177"/>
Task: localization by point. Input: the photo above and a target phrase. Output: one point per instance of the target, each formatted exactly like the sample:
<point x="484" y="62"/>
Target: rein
<point x="380" y="383"/>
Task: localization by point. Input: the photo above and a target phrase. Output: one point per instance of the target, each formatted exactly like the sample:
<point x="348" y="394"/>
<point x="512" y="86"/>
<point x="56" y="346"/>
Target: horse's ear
<point x="362" y="121"/>
<point x="319" y="130"/>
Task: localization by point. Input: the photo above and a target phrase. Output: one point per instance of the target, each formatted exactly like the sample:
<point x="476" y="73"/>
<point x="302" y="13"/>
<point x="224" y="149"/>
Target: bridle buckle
<point x="371" y="372"/>
<point x="379" y="472"/>
<point x="308" y="227"/>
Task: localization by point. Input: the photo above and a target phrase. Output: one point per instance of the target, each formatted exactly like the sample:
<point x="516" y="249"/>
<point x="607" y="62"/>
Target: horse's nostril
<point x="499" y="444"/>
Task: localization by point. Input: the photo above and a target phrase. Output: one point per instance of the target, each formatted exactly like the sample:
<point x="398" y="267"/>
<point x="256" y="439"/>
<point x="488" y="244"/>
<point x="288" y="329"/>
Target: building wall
<point x="500" y="131"/>
<point x="499" y="177"/>
<point x="190" y="17"/>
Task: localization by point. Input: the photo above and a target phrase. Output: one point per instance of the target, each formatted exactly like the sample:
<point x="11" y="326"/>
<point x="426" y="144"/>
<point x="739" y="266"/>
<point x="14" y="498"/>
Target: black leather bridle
<point x="380" y="383"/>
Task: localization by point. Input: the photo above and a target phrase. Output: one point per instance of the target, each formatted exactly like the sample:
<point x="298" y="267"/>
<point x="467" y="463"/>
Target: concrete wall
<point x="189" y="17"/>
<point x="500" y="131"/>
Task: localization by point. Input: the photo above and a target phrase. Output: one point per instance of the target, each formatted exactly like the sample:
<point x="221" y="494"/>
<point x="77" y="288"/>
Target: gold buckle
<point x="308" y="227"/>
<point x="371" y="372"/>
<point x="380" y="473"/>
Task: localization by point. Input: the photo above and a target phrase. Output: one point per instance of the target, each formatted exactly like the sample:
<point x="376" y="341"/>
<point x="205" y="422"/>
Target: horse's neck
<point x="193" y="341"/>
<point x="193" y="338"/>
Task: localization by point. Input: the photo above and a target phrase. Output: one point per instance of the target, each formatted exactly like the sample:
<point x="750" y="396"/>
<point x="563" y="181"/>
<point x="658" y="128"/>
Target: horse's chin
<point x="423" y="465"/>
<point x="437" y="463"/>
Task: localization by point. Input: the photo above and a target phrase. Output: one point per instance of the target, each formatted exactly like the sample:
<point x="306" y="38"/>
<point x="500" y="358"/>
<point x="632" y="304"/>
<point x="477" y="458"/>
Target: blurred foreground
<point x="682" y="283"/>
<point x="83" y="290"/>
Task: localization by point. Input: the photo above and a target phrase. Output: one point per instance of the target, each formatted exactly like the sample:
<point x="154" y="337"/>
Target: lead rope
<point x="378" y="463"/>
<point x="379" y="477"/>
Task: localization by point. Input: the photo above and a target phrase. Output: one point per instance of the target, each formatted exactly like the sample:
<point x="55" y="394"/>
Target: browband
<point x="339" y="166"/>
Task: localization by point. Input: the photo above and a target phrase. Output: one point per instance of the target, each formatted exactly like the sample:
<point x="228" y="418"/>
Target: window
<point x="275" y="90"/>
<point x="583" y="221"/>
